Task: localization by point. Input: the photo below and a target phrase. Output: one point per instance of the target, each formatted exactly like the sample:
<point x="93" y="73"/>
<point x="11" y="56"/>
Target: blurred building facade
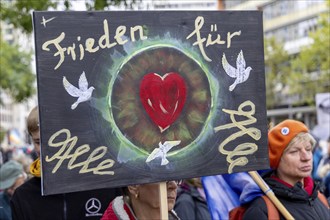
<point x="171" y="5"/>
<point x="290" y="22"/>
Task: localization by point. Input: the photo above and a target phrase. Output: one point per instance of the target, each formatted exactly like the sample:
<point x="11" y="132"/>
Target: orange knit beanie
<point x="279" y="138"/>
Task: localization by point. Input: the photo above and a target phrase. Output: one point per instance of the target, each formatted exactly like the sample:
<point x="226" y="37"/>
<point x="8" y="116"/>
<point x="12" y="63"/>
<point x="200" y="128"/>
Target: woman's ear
<point x="133" y="189"/>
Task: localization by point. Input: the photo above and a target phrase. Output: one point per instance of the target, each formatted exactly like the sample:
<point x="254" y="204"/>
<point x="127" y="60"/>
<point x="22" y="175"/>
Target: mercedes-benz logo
<point x="93" y="206"/>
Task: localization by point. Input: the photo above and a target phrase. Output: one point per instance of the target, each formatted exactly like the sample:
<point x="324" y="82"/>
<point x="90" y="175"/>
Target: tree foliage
<point x="296" y="80"/>
<point x="277" y="71"/>
<point x="311" y="68"/>
<point x="18" y="12"/>
<point x="105" y="4"/>
<point x="16" y="74"/>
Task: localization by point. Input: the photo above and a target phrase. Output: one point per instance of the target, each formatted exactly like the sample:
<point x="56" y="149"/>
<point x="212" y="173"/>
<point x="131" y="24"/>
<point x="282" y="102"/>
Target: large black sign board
<point x="136" y="97"/>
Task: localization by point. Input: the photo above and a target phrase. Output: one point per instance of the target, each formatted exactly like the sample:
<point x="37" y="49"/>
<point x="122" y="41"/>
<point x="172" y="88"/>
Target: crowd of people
<point x="299" y="177"/>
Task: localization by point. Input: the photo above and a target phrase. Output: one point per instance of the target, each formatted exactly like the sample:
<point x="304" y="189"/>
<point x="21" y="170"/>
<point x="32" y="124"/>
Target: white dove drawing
<point x="83" y="93"/>
<point x="240" y="72"/>
<point x="162" y="151"/>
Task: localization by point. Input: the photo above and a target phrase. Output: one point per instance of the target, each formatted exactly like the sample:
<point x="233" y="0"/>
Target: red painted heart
<point x="163" y="97"/>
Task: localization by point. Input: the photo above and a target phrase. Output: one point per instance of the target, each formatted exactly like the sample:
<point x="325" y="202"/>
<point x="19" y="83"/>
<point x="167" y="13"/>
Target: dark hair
<point x="124" y="191"/>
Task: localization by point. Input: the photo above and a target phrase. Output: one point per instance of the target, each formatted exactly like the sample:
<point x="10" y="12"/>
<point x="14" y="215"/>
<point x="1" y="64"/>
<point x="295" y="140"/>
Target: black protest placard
<point x="132" y="97"/>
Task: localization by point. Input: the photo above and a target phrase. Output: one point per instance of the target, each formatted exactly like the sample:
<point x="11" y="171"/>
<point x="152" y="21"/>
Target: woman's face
<point x="149" y="194"/>
<point x="296" y="162"/>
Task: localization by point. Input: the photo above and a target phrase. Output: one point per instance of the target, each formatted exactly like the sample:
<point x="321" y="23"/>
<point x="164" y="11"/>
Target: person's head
<point x="11" y="176"/>
<point x="290" y="148"/>
<point x="33" y="128"/>
<point x="145" y="198"/>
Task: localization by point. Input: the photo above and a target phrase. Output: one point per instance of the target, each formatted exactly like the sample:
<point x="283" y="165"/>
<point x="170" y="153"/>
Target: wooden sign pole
<point x="163" y="201"/>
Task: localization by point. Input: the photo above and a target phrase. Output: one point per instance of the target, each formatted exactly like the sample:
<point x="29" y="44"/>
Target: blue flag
<point x="227" y="191"/>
